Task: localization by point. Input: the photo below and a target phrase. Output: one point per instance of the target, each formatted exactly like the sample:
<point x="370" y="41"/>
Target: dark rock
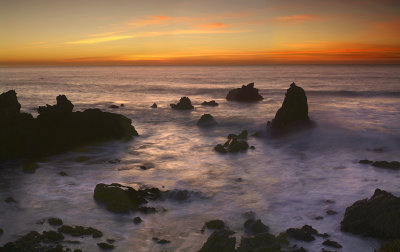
<point x="10" y="200"/>
<point x="378" y="216"/>
<point x="110" y="240"/>
<point x="365" y="161"/>
<point x="113" y="106"/>
<point x="388" y="165"/>
<point x="293" y="115"/>
<point x="220" y="148"/>
<point x="154" y="105"/>
<point x="244" y="94"/>
<point x="122" y="105"/>
<point x="302" y="234"/>
<point x="239" y="180"/>
<point x="9" y="105"/>
<point x="183" y="104"/>
<point x="104" y="245"/>
<point x="332" y="244"/>
<point x="235" y="143"/>
<point x="163" y="241"/>
<point x="56" y="129"/>
<point x="52" y="236"/>
<point x="331" y="212"/>
<point x="61" y="173"/>
<point x="181" y="195"/>
<point x="210" y="103"/>
<point x="29" y="167"/>
<point x="1" y="231"/>
<point x="137" y="220"/>
<point x="254" y="227"/>
<point x="252" y="147"/>
<point x="77" y="231"/>
<point x="55" y="221"/>
<point x="206" y="120"/>
<point x="318" y="218"/>
<point x="114" y="161"/>
<point x="259" y="242"/>
<point x="214" y="224"/>
<point x="81" y="159"/>
<point x="390" y="246"/>
<point x="219" y="241"/>
<point x="122" y="199"/>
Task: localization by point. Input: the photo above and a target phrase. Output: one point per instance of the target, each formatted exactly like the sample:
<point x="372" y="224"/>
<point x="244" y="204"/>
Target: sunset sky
<point x="99" y="32"/>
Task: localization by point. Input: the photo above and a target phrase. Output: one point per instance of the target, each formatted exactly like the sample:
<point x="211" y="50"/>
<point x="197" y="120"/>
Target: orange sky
<point x="174" y="32"/>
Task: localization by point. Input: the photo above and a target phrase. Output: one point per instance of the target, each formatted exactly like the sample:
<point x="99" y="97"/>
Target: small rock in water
<point x="302" y="234"/>
<point x="122" y="105"/>
<point x="239" y="180"/>
<point x="318" y="218"/>
<point x="29" y="167"/>
<point x="77" y="231"/>
<point x="206" y="120"/>
<point x="10" y="200"/>
<point x="114" y="161"/>
<point x="394" y="165"/>
<point x="332" y="244"/>
<point x="214" y="224"/>
<point x="154" y="105"/>
<point x="113" y="106"/>
<point x="183" y="104"/>
<point x="110" y="240"/>
<point x="137" y="220"/>
<point x="235" y="143"/>
<point x="104" y="245"/>
<point x="1" y="231"/>
<point x="331" y="212"/>
<point x="55" y="221"/>
<point x="210" y="103"/>
<point x="52" y="236"/>
<point x="244" y="94"/>
<point x="61" y="173"/>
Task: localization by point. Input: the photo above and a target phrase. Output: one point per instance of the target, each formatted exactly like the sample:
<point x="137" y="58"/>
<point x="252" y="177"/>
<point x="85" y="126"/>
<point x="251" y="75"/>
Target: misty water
<point x="286" y="182"/>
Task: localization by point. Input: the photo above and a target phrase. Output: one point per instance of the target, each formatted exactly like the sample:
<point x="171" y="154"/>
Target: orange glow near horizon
<point x="178" y="32"/>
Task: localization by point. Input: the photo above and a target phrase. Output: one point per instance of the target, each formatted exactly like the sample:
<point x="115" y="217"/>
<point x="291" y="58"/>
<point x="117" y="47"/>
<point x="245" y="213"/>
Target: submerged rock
<point x="244" y="94"/>
<point x="56" y="128"/>
<point x="394" y="165"/>
<point x="210" y="103"/>
<point x="293" y="115"/>
<point x="219" y="241"/>
<point x="183" y="104"/>
<point x="378" y="216"/>
<point x="302" y="234"/>
<point x="137" y="220"/>
<point x="206" y="120"/>
<point x="332" y="244"/>
<point x="77" y="231"/>
<point x="122" y="199"/>
<point x="235" y="143"/>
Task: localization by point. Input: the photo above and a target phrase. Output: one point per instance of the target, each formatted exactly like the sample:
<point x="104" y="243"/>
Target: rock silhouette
<point x="244" y="94"/>
<point x="206" y="120"/>
<point x="210" y="103"/>
<point x="183" y="104"/>
<point x="56" y="128"/>
<point x="293" y="114"/>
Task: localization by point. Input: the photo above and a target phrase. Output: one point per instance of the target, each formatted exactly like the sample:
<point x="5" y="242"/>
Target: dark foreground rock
<point x="219" y="241"/>
<point x="235" y="143"/>
<point x="55" y="221"/>
<point x="210" y="103"/>
<point x="378" y="216"/>
<point x="393" y="165"/>
<point x="56" y="128"/>
<point x="293" y="115"/>
<point x="244" y="94"/>
<point x="77" y="231"/>
<point x="333" y="244"/>
<point x="389" y="246"/>
<point x="35" y="242"/>
<point x="206" y="120"/>
<point x="306" y="233"/>
<point x="183" y="104"/>
<point x="105" y="246"/>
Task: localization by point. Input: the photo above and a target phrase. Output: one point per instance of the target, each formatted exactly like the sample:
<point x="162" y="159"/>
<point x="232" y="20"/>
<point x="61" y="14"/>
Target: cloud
<point x="99" y="40"/>
<point x="215" y="25"/>
<point x="152" y="20"/>
<point x="296" y="19"/>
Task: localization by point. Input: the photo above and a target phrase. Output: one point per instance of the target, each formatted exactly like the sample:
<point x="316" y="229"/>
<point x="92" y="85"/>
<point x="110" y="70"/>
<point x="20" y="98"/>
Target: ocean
<point x="286" y="182"/>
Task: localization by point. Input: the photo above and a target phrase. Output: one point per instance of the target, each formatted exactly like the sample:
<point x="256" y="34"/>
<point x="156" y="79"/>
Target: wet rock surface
<point x="394" y="165"/>
<point x="206" y="120"/>
<point x="247" y="93"/>
<point x="56" y="128"/>
<point x="183" y="104"/>
<point x="378" y="216"/>
<point x="235" y="143"/>
<point x="293" y="114"/>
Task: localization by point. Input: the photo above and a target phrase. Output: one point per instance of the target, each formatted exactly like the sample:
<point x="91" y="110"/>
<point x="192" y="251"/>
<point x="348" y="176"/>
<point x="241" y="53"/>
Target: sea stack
<point x="293" y="115"/>
<point x="244" y="94"/>
<point x="183" y="104"/>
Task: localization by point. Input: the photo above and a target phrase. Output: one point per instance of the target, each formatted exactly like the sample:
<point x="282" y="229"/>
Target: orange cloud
<point x="99" y="40"/>
<point x="151" y="20"/>
<point x="213" y="25"/>
<point x="295" y="19"/>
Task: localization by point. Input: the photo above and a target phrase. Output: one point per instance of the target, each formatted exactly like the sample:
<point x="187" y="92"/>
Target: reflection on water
<point x="286" y="182"/>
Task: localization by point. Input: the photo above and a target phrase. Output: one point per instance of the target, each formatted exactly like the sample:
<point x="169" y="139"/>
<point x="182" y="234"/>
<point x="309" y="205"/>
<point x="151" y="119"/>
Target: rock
<point x="378" y="216"/>
<point x="29" y="167"/>
<point x="9" y="105"/>
<point x="390" y="246"/>
<point x="113" y="106"/>
<point x="318" y="218"/>
<point x="302" y="234"/>
<point x="365" y="161"/>
<point x="214" y="224"/>
<point x="235" y="143"/>
<point x="220" y="148"/>
<point x="110" y="240"/>
<point x="104" y="245"/>
<point x="210" y="103"/>
<point x="259" y="242"/>
<point x="10" y="200"/>
<point x="331" y="212"/>
<point x="154" y="105"/>
<point x="394" y="165"/>
<point x="332" y="244"/>
<point x="244" y="94"/>
<point x="55" y="221"/>
<point x="122" y="105"/>
<point x="114" y="161"/>
<point x="137" y="220"/>
<point x="1" y="231"/>
<point x="56" y="129"/>
<point x="206" y="120"/>
<point x="61" y="173"/>
<point x="52" y="236"/>
<point x="81" y="159"/>
<point x="254" y="227"/>
<point x="252" y="147"/>
<point x="163" y="241"/>
<point x="77" y="231"/>
<point x="183" y="104"/>
<point x="122" y="199"/>
<point x="219" y="241"/>
<point x="293" y="115"/>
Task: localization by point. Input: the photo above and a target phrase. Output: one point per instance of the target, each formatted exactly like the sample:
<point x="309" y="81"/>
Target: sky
<point x="193" y="32"/>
